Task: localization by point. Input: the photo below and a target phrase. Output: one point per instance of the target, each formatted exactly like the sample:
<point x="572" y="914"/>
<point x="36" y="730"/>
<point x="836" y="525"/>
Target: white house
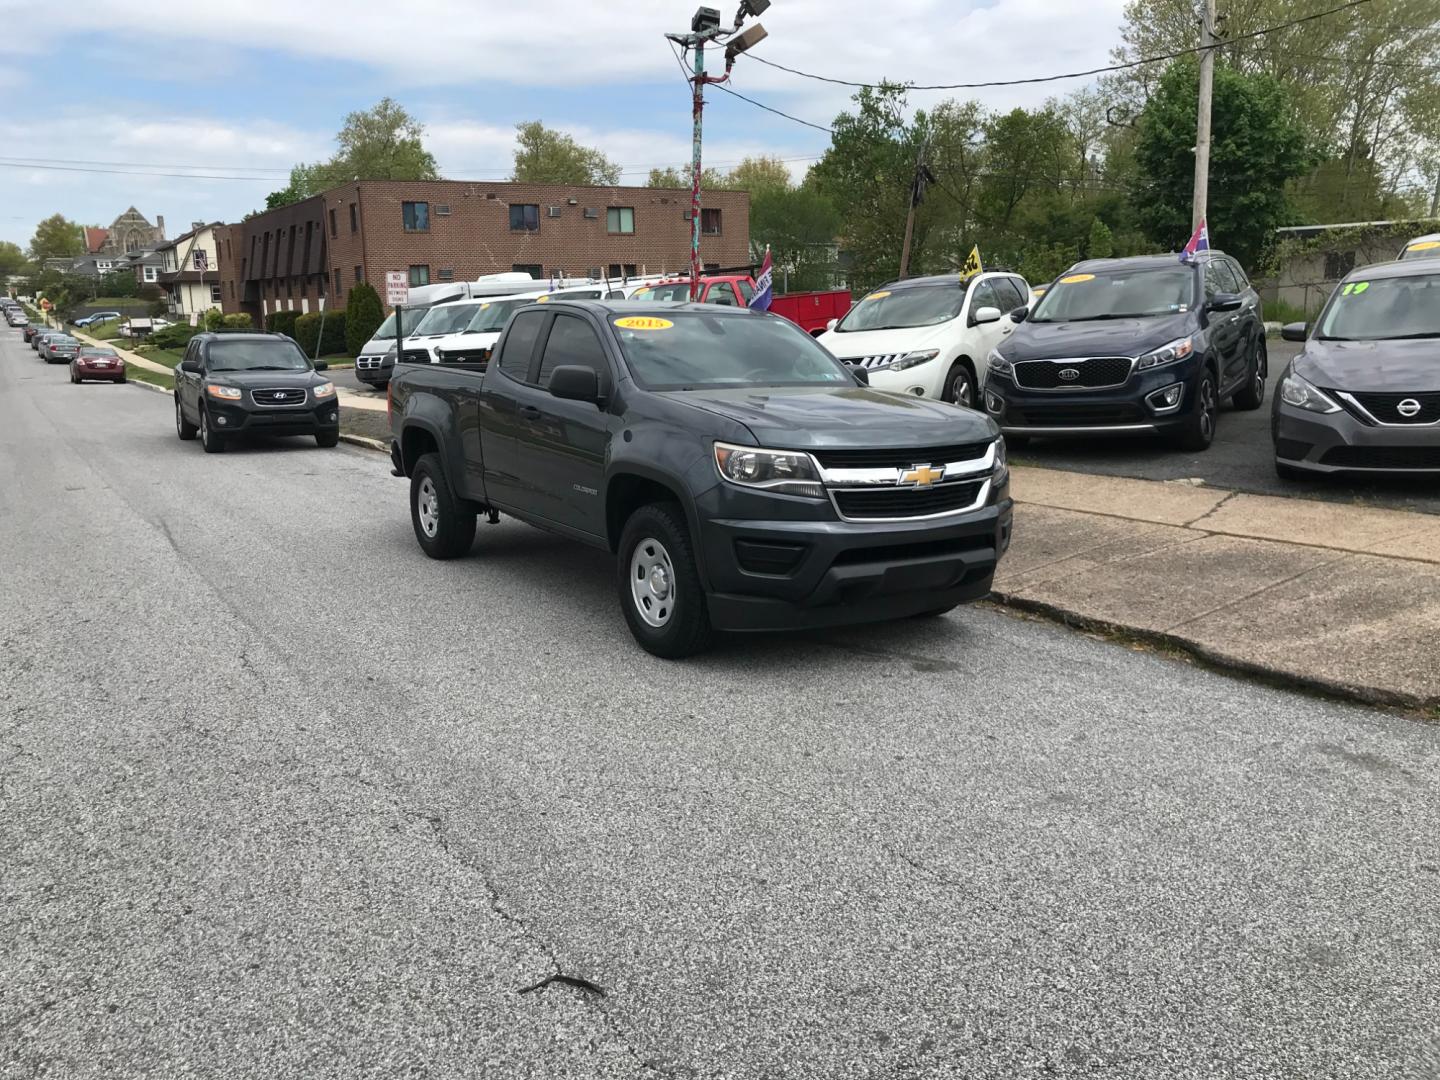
<point x="190" y="271"/>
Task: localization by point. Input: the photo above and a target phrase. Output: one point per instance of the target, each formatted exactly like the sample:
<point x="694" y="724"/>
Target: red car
<point x="95" y="362"/>
<point x="812" y="311"/>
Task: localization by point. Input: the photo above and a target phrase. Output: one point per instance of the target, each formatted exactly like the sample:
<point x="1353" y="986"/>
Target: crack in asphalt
<point x="1214" y="509"/>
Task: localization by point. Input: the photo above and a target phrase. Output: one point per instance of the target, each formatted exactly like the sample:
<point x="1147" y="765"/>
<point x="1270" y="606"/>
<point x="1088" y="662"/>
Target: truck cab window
<point x="572" y="343"/>
<point x="519" y="345"/>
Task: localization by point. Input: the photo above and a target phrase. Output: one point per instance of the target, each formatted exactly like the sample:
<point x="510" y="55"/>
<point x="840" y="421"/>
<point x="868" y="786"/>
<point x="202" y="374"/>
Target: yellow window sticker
<point x="1424" y="245"/>
<point x="542" y="299"/>
<point x="643" y="322"/>
<point x="877" y="295"/>
<point x="1075" y="279"/>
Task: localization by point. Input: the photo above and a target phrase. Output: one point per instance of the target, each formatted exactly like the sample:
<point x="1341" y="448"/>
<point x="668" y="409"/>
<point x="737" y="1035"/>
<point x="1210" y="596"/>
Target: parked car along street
<point x="252" y="384"/>
<point x="1422" y="247"/>
<point x="743" y="477"/>
<point x="96" y="318"/>
<point x="929" y="336"/>
<point x="58" y="348"/>
<point x="97" y="362"/>
<point x="1364" y="395"/>
<point x="1139" y="346"/>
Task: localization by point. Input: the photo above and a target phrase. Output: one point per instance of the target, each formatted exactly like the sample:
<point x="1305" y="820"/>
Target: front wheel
<point x="444" y="526"/>
<point x="1199" y="430"/>
<point x="659" y="584"/>
<point x="210" y="439"/>
<point x="960" y="385"/>
<point x="327" y="439"/>
<point x="183" y="427"/>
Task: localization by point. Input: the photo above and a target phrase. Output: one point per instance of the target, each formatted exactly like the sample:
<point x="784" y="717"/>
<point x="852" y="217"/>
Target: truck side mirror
<point x="573" y="382"/>
<point x="1018" y="315"/>
<point x="1294" y="331"/>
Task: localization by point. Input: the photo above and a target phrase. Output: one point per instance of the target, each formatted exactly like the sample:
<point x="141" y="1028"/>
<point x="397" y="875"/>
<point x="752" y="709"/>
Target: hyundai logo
<point x="1408" y="408"/>
<point x="1068" y="374"/>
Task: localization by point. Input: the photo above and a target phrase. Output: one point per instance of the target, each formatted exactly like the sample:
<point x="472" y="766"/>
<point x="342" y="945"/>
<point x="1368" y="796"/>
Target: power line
<point x="141" y="164"/>
<point x="1069" y="74"/>
<point x="777" y="112"/>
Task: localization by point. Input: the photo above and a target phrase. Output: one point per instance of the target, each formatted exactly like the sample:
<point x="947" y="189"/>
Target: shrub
<point x="214" y="319"/>
<point x="174" y="336"/>
<point x="307" y="329"/>
<point x="238" y="322"/>
<point x="159" y="309"/>
<point x="282" y="322"/>
<point x="363" y="316"/>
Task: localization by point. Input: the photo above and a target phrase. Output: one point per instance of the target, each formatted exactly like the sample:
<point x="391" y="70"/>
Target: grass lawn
<point x="339" y="360"/>
<point x="154" y="378"/>
<point x="107" y="331"/>
<point x="168" y="357"/>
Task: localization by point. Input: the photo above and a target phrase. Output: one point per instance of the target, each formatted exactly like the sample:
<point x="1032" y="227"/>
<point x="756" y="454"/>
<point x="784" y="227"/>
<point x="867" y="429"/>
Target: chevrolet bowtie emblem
<point x="921" y="475"/>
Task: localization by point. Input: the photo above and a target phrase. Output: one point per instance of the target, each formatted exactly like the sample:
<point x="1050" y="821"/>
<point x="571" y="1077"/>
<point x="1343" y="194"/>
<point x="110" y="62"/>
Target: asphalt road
<point x="1240" y="459"/>
<point x="280" y="797"/>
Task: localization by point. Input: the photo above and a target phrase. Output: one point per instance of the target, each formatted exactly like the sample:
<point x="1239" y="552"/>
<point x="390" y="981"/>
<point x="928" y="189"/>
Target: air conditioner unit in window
<point x="552" y="211"/>
<point x="442" y="210"/>
<point x="447" y="274"/>
<point x="591" y="213"/>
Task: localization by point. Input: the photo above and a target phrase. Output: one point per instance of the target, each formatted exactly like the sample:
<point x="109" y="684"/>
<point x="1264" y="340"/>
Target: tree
<point x="545" y="156"/>
<point x="12" y="260"/>
<point x="381" y="143"/>
<point x="363" y="316"/>
<point x="800" y="225"/>
<point x="1257" y="147"/>
<point x="759" y="176"/>
<point x="56" y="237"/>
<point x="1101" y="244"/>
<point x="710" y="179"/>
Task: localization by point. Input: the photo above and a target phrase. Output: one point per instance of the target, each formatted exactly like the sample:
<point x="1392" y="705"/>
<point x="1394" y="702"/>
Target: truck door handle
<point x="529" y="412"/>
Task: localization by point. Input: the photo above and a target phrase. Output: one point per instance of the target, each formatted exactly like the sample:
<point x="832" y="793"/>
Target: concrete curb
<point x="1223" y="662"/>
<point x="148" y="386"/>
<point x="367" y="443"/>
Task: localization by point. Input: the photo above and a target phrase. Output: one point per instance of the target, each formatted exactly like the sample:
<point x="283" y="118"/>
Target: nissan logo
<point x="1068" y="374"/>
<point x="1408" y="408"/>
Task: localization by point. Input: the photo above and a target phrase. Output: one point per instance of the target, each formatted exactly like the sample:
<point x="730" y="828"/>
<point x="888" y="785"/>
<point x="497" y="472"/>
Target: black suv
<point x="1140" y="346"/>
<point x="252" y="383"/>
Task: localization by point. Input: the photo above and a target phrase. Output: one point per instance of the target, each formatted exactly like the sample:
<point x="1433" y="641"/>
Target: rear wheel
<point x="1199" y="430"/>
<point x="444" y="525"/>
<point x="659" y="583"/>
<point x="1252" y="396"/>
<point x="183" y="427"/>
<point x="210" y="439"/>
<point x="960" y="385"/>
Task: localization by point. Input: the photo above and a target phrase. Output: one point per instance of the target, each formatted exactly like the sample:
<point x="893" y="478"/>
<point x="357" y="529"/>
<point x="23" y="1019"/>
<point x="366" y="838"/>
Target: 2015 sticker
<point x="643" y="322"/>
<point x="877" y="295"/>
<point x="1075" y="279"/>
<point x="1424" y="245"/>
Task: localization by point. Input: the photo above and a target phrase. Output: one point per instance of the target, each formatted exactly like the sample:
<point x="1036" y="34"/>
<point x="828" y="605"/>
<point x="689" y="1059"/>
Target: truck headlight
<point x="785" y="471"/>
<point x="912" y="359"/>
<point x="1001" y="472"/>
<point x="1166" y="354"/>
<point x="225" y="393"/>
<point x="998" y="365"/>
<point x="324" y="390"/>
<point x="1298" y="392"/>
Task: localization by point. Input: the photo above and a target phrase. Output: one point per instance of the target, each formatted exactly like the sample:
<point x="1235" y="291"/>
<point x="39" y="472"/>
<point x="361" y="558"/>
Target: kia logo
<point x="1069" y="374"/>
<point x="1408" y="408"/>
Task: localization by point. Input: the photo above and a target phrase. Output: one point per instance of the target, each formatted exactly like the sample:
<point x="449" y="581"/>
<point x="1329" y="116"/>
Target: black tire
<point x="183" y="427"/>
<point x="1199" y="430"/>
<point x="75" y="378"/>
<point x="327" y="439"/>
<point x="210" y="439"/>
<point x="1253" y="395"/>
<point x="664" y="608"/>
<point x="123" y="379"/>
<point x="960" y="385"/>
<point x="444" y="525"/>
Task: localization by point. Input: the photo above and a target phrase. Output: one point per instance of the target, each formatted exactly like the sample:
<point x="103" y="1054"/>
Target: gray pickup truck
<point x="744" y="478"/>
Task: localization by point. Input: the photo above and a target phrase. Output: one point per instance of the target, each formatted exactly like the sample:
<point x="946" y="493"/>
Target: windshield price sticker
<point x="1075" y="279"/>
<point x="643" y="322"/>
<point x="1355" y="288"/>
<point x="1424" y="245"/>
<point x="877" y="296"/>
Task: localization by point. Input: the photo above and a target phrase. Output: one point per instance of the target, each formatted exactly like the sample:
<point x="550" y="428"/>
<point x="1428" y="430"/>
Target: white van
<point x="929" y="336"/>
<point x="473" y="341"/>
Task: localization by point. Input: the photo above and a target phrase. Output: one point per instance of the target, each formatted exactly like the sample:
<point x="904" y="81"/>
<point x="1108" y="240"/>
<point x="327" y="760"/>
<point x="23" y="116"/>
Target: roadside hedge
<point x="282" y="322"/>
<point x="363" y="316"/>
<point x="239" y="321"/>
<point x="307" y="329"/>
<point x="174" y="336"/>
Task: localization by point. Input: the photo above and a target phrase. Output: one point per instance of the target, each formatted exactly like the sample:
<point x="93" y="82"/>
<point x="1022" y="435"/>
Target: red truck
<point x="811" y="311"/>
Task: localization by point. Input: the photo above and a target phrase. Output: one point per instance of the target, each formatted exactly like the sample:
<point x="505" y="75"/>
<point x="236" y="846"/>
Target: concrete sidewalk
<point x="1339" y="598"/>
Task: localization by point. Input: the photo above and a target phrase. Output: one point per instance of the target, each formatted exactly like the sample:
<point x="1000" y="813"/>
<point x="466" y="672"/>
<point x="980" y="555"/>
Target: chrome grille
<point x="1089" y="373"/>
<point x="369" y="363"/>
<point x="278" y="396"/>
<point x="1386" y="408"/>
<point x="872" y="363"/>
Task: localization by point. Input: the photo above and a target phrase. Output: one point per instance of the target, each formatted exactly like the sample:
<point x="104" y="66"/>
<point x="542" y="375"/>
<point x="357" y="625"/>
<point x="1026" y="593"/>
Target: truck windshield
<point x="920" y="305"/>
<point x="444" y="319"/>
<point x="688" y="350"/>
<point x="1117" y="294"/>
<point x="492" y="315"/>
<point x="1383" y="310"/>
<point x="257" y="355"/>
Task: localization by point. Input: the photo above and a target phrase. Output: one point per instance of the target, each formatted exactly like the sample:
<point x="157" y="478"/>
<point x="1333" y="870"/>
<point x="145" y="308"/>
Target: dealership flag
<point x="1199" y="242"/>
<point x="972" y="265"/>
<point x="764" y="291"/>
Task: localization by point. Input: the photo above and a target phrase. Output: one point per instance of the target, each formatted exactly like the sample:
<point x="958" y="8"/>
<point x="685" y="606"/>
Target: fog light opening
<point x="918" y="391"/>
<point x="221" y="421"/>
<point x="994" y="403"/>
<point x="1167" y="399"/>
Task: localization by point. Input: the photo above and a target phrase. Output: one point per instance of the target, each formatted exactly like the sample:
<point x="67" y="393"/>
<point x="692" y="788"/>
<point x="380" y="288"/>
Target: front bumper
<point x="309" y="419"/>
<point x="374" y="370"/>
<point x="922" y="380"/>
<point x="1121" y="410"/>
<point x="768" y="574"/>
<point x="1341" y="443"/>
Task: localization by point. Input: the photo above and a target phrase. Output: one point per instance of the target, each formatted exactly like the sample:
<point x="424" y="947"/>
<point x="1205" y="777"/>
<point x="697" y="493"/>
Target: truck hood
<point x="1099" y="337"/>
<point x="840" y="417"/>
<point x="1402" y="367"/>
<point x="883" y="342"/>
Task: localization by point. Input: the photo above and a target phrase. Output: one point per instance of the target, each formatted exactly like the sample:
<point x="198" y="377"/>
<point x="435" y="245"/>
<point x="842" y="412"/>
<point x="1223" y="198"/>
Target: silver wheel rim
<point x="1207" y="409"/>
<point x="204" y="427"/>
<point x="652" y="582"/>
<point x="178" y="418"/>
<point x="960" y="389"/>
<point x="428" y="507"/>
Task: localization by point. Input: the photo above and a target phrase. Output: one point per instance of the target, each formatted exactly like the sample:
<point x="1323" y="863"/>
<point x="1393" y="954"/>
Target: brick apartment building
<point x="454" y="230"/>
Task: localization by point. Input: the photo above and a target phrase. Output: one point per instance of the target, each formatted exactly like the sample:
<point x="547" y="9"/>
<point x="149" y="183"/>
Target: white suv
<point x="929" y="336"/>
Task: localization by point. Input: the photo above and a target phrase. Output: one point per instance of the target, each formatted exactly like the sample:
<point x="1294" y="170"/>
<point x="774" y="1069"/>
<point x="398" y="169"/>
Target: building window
<point x="215" y="295"/>
<point x="525" y="217"/>
<point x="338" y="284"/>
<point x="354" y="219"/>
<point x="333" y="230"/>
<point x="710" y="221"/>
<point x="620" y="219"/>
<point x="417" y="216"/>
<point x="535" y="270"/>
<point x="359" y="274"/>
<point x="419" y="275"/>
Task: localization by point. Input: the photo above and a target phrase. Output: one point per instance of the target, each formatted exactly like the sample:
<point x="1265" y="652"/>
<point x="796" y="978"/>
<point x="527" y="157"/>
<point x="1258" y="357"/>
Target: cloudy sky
<point x="230" y="94"/>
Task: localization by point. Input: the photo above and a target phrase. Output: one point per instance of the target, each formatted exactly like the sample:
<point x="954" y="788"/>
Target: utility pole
<point x="923" y="175"/>
<point x="1208" y="41"/>
<point x="705" y="28"/>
